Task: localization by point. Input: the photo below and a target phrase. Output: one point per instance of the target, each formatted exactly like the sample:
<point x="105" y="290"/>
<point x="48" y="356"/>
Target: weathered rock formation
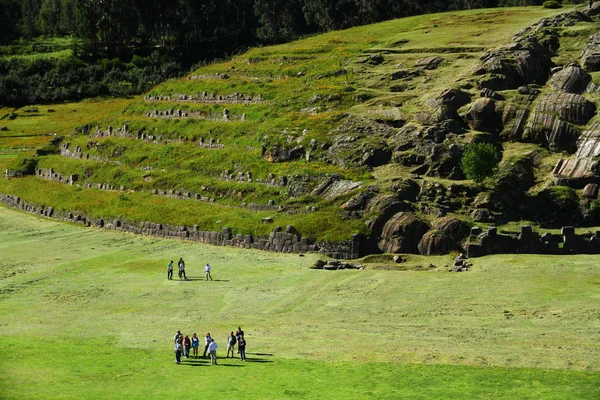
<point x="590" y="58"/>
<point x="402" y="233"/>
<point x="571" y="79"/>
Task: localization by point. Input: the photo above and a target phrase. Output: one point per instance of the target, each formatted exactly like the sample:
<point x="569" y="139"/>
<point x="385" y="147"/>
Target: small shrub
<point x="552" y="4"/>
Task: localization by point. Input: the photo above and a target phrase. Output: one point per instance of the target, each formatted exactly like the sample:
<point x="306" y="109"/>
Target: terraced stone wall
<point x="280" y="240"/>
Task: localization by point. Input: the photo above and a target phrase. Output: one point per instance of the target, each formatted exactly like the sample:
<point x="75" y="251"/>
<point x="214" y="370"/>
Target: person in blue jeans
<point x="178" y="349"/>
<point x="170" y="271"/>
<point x="242" y="348"/>
<point x="195" y="345"/>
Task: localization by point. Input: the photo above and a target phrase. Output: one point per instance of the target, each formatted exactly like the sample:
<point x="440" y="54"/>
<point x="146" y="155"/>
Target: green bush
<point x="552" y="4"/>
<point x="479" y="161"/>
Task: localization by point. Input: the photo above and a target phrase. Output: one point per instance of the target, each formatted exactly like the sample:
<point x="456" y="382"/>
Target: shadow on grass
<point x="258" y="360"/>
<point x="193" y="278"/>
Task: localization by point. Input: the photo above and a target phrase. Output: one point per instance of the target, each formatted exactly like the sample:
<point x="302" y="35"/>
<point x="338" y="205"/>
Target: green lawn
<point x="89" y="314"/>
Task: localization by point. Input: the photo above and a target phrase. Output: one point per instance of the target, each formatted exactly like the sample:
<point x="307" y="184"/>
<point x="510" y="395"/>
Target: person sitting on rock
<point x="460" y="260"/>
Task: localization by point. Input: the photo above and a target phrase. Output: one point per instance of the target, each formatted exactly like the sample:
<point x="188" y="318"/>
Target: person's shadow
<point x="196" y="278"/>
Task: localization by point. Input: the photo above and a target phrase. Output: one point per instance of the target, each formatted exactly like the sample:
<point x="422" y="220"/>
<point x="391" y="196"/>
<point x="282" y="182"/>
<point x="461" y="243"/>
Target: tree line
<point x="192" y="30"/>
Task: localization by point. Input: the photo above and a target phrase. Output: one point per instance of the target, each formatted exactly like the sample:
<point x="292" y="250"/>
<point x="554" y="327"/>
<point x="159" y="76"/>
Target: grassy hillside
<point x="304" y="112"/>
<point x="87" y="313"/>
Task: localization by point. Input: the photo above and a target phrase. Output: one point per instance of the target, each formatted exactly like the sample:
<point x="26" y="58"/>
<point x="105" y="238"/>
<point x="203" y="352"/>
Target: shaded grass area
<point x="91" y="313"/>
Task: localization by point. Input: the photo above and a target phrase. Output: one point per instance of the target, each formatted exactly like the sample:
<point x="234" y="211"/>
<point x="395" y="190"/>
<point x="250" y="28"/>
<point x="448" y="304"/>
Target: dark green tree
<point x="480" y="161"/>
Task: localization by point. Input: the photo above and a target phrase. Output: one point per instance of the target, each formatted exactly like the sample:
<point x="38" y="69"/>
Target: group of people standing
<point x="183" y="345"/>
<point x="181" y="266"/>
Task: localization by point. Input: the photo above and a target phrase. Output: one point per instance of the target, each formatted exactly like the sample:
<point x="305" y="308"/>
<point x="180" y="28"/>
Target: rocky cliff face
<point x="516" y="94"/>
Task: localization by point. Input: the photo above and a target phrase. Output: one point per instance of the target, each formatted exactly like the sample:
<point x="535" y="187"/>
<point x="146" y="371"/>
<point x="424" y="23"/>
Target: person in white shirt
<point x="207" y="271"/>
<point x="212" y="348"/>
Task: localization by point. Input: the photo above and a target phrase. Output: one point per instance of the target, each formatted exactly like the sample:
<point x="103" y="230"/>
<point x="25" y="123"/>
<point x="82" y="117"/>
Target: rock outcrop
<point x="590" y="58"/>
<point x="571" y="79"/>
<point x="402" y="233"/>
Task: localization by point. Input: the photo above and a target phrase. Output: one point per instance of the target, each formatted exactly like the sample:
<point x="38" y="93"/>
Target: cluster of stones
<point x="51" y="175"/>
<point x="271" y="180"/>
<point x="180" y="194"/>
<point x="335" y="265"/>
<point x="208" y="76"/>
<point x="122" y="132"/>
<point x="279" y="240"/>
<point x="210" y="144"/>
<point x="103" y="186"/>
<point x="156" y="139"/>
<point x="530" y="242"/>
<point x="179" y="114"/>
<point x="77" y="153"/>
<point x="11" y="173"/>
<point x="209" y="98"/>
<point x="270" y="206"/>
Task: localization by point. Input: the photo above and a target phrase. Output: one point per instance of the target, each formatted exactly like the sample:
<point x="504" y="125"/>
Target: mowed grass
<point x="90" y="314"/>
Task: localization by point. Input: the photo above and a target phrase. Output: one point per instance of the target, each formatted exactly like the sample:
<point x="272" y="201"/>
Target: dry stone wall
<point x="282" y="240"/>
<point x="530" y="242"/>
<point x="209" y="98"/>
<point x="180" y="114"/>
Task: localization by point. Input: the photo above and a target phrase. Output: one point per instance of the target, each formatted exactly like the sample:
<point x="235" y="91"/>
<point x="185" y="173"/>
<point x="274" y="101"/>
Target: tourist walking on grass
<point x="170" y="271"/>
<point x="207" y="271"/>
<point x="242" y="348"/>
<point x="195" y="345"/>
<point x="231" y="341"/>
<point x="178" y="347"/>
<point x="181" y="265"/>
<point x="207" y="342"/>
<point x="212" y="348"/>
<point x="176" y="336"/>
<point x="187" y="345"/>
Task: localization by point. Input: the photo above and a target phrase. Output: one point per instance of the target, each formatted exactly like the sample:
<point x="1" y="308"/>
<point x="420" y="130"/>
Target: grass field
<point x="90" y="314"/>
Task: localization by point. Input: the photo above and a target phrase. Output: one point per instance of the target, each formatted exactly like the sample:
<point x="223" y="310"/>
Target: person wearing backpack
<point x="231" y="341"/>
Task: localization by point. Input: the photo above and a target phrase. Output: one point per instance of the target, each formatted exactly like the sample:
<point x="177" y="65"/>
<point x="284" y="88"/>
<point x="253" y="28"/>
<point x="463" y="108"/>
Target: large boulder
<point x="576" y="172"/>
<point x="571" y="79"/>
<point x="482" y="116"/>
<point x="383" y="207"/>
<point x="514" y="120"/>
<point x="429" y="62"/>
<point x="402" y="233"/>
<point x="451" y="98"/>
<point x="454" y="228"/>
<point x="406" y="189"/>
<point x="523" y="62"/>
<point x="333" y="187"/>
<point x="590" y="58"/>
<point x="551" y="123"/>
<point x="360" y="200"/>
<point x="435" y="243"/>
